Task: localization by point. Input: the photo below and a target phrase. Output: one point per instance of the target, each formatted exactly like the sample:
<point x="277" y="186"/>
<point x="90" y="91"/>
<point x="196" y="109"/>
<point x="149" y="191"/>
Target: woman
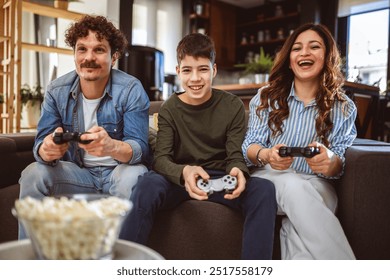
<point x="304" y="105"/>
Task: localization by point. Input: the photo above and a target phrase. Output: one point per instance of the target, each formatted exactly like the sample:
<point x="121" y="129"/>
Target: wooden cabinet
<point x="216" y="19"/>
<point x="265" y="26"/>
<point x="199" y="16"/>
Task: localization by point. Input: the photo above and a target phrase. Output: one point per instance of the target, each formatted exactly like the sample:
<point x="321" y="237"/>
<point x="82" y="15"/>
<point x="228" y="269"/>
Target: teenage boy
<point x="200" y="135"/>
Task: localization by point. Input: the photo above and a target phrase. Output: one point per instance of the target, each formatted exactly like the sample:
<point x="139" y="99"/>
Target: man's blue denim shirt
<point x="122" y="112"/>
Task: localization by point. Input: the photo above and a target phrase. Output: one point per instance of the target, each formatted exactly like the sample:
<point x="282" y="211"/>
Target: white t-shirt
<point x="90" y="107"/>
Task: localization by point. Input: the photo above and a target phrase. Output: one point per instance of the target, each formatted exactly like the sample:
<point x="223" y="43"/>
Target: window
<point x="368" y="48"/>
<point x="363" y="37"/>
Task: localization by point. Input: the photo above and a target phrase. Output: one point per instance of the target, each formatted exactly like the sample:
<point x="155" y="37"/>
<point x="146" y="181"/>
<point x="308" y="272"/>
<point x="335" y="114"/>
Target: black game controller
<point x="307" y="152"/>
<point x="64" y="137"/>
<point x="227" y="183"/>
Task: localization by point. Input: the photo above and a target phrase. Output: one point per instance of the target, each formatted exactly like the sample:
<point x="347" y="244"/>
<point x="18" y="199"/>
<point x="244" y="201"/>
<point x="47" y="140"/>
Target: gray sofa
<point x="205" y="230"/>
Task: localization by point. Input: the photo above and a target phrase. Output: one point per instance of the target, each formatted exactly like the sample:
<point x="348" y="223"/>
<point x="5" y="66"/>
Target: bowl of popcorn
<point x="76" y="227"/>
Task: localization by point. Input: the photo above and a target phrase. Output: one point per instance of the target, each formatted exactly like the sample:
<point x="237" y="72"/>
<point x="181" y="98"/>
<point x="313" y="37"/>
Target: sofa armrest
<point x="364" y="200"/>
<point x="16" y="154"/>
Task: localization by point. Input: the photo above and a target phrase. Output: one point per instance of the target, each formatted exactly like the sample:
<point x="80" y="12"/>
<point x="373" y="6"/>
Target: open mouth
<point x="305" y="63"/>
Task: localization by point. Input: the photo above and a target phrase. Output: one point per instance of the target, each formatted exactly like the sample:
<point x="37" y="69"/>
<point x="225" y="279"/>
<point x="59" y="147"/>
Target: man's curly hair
<point x="104" y="30"/>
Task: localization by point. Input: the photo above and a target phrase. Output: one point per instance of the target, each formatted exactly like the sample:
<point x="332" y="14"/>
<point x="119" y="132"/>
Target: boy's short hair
<point x="196" y="45"/>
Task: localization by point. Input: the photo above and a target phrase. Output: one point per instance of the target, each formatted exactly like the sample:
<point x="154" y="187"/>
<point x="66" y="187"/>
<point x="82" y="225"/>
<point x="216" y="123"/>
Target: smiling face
<point x="93" y="59"/>
<point x="196" y="76"/>
<point x="307" y="56"/>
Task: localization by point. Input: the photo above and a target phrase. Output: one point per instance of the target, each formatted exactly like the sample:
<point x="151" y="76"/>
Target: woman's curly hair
<point x="104" y="30"/>
<point x="281" y="77"/>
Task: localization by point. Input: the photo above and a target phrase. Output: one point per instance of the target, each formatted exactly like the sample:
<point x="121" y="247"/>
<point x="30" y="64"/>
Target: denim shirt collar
<point x="75" y="89"/>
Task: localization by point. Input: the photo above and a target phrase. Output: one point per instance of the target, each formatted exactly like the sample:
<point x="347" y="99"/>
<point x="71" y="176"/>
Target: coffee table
<point x="123" y="250"/>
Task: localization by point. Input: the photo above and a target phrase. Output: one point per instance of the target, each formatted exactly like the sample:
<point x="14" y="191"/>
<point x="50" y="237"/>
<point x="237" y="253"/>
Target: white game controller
<point x="227" y="183"/>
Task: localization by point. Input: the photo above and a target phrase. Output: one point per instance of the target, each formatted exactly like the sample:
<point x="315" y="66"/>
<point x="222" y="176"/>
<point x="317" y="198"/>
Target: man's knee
<point x="32" y="180"/>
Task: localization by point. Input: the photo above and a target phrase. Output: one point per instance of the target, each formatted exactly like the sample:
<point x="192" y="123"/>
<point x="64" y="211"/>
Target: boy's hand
<point x="190" y="175"/>
<point x="241" y="182"/>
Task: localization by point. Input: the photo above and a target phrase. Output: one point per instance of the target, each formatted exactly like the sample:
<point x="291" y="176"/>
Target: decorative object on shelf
<point x="260" y="66"/>
<point x="280" y="33"/>
<point x="279" y="11"/>
<point x="202" y="31"/>
<point x="198" y="7"/>
<point x="260" y="36"/>
<point x="244" y="40"/>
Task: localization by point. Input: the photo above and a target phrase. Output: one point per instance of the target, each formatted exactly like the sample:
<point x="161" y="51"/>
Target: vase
<point x="261" y="78"/>
<point x="61" y="4"/>
<point x="30" y="114"/>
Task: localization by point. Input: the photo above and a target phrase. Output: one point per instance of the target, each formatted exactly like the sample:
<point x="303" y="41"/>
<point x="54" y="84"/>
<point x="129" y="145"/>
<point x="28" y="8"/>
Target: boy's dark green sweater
<point x="208" y="135"/>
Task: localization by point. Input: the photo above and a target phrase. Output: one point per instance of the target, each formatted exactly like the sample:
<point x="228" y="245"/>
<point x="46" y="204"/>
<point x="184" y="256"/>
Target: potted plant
<point x="260" y="66"/>
<point x="31" y="100"/>
<point x="33" y="95"/>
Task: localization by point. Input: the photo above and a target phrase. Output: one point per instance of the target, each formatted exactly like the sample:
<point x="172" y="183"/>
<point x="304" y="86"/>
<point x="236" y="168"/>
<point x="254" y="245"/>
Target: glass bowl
<point x="73" y="227"/>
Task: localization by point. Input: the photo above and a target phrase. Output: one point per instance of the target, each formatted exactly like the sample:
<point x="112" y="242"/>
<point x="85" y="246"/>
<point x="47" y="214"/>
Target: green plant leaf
<point x="261" y="65"/>
<point x="34" y="94"/>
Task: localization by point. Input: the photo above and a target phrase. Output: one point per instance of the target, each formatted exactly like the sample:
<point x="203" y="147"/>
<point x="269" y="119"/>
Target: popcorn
<point x="72" y="229"/>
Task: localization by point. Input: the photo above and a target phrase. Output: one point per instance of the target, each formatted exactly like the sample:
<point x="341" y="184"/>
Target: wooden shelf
<point x="4" y="38"/>
<point x="49" y="11"/>
<point x="43" y="48"/>
<point x="271" y="20"/>
<point x="196" y="16"/>
<point x="259" y="44"/>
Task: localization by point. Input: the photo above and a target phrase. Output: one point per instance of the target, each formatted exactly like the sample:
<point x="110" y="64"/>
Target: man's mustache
<point x="89" y="65"/>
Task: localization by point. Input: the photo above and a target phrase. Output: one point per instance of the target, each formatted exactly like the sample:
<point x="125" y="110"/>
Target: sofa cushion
<point x="172" y="232"/>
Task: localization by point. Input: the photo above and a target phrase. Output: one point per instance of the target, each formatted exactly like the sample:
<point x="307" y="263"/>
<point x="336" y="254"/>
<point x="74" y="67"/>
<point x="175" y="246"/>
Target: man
<point x="200" y="135"/>
<point x="110" y="105"/>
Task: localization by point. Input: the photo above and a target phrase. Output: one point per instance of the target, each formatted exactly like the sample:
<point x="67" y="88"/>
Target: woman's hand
<point x="326" y="162"/>
<point x="276" y="161"/>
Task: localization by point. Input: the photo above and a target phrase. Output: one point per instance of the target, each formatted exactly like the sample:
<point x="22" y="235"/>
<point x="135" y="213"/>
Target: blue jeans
<point x="39" y="180"/>
<point x="154" y="192"/>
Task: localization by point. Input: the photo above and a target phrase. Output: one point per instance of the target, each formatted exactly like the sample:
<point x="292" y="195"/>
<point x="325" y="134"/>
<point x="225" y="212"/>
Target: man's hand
<point x="190" y="176"/>
<point x="102" y="144"/>
<point x="241" y="183"/>
<point x="49" y="150"/>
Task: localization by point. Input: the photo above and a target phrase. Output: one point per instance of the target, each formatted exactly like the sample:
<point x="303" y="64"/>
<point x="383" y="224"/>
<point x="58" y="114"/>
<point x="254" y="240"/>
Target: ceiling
<point x="245" y="3"/>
